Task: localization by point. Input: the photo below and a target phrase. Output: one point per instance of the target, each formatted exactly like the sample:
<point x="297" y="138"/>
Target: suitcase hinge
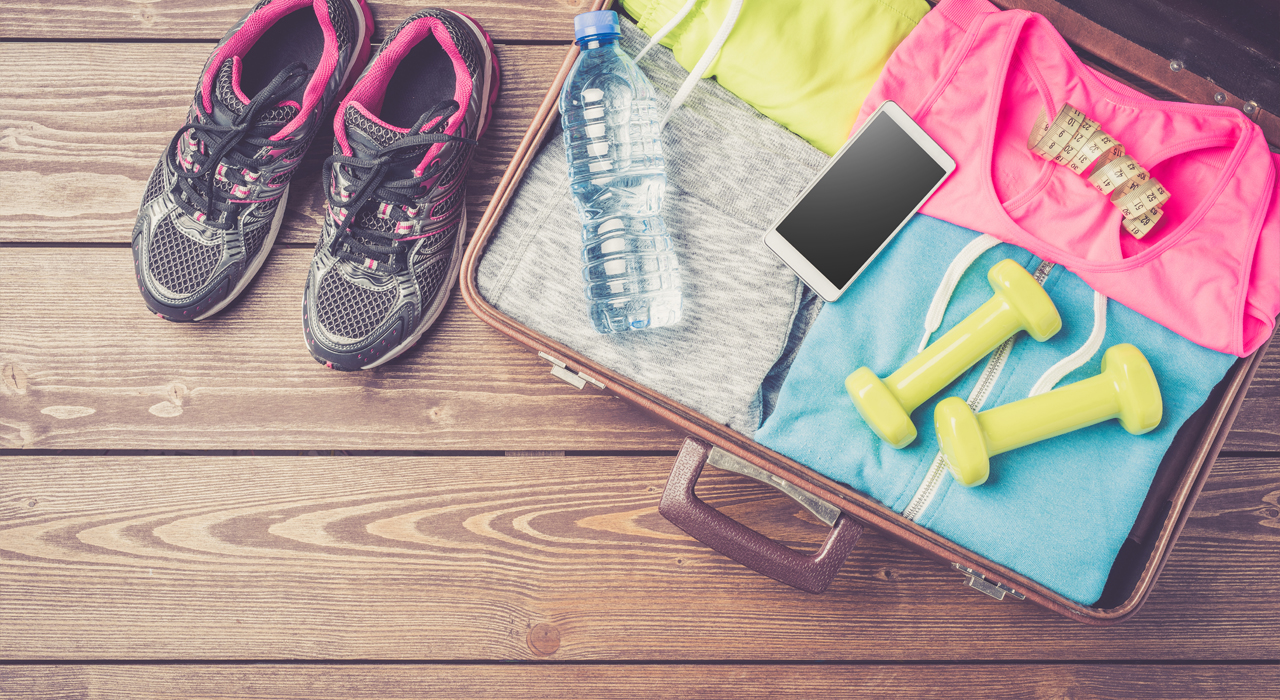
<point x="568" y="376"/>
<point x="978" y="581"/>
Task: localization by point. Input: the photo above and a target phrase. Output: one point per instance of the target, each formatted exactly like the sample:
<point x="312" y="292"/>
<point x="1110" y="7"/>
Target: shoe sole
<point x="489" y="92"/>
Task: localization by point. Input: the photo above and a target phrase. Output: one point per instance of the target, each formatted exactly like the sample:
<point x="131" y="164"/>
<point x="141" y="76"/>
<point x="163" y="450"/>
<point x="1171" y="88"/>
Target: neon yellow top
<point x="806" y="64"/>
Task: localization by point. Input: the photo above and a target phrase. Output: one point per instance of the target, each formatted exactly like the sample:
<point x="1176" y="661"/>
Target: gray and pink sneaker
<point x="395" y="223"/>
<point x="214" y="203"/>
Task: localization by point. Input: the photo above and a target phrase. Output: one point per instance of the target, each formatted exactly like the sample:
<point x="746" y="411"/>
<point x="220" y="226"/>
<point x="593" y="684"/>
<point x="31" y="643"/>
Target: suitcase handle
<point x="744" y="545"/>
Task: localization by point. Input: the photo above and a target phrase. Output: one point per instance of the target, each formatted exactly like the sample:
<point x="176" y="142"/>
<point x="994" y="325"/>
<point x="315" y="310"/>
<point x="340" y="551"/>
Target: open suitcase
<point x="1173" y="492"/>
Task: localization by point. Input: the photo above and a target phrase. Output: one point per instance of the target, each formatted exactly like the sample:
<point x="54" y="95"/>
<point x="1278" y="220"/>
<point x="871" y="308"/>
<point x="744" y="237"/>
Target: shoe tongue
<point x="367" y="134"/>
<point x="229" y="102"/>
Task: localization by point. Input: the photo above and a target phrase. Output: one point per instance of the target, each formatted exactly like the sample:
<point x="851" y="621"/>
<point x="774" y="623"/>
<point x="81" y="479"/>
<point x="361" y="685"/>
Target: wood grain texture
<point x="461" y="558"/>
<point x="83" y="125"/>
<point x="1257" y="427"/>
<point x="634" y="682"/>
<point x="506" y="20"/>
<point x="86" y="366"/>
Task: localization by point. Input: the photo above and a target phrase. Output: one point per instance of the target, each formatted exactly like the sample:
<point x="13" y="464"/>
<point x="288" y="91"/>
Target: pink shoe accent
<point x="245" y="37"/>
<point x="362" y="56"/>
<point x="320" y="79"/>
<point x="414" y="238"/>
<point x="497" y="76"/>
<point x="369" y="92"/>
<point x="262" y="20"/>
<point x="235" y="79"/>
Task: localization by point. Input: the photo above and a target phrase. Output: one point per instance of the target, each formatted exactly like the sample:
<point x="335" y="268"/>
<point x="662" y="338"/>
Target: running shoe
<point x="214" y="203"/>
<point x="395" y="221"/>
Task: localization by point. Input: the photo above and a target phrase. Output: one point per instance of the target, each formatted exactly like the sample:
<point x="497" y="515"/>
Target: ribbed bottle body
<point x="617" y="177"/>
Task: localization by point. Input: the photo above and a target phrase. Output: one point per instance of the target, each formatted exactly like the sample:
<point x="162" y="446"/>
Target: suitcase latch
<point x="978" y="581"/>
<point x="561" y="371"/>
<point x="822" y="510"/>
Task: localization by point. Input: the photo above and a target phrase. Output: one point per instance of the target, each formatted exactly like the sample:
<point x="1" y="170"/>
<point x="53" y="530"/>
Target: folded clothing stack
<point x="806" y="64"/>
<point x="1190" y="295"/>
<point x="1056" y="511"/>
<point x="730" y="174"/>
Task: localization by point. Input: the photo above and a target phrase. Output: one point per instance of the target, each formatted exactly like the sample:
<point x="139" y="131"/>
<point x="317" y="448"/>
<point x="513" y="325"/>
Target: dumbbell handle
<point x="1049" y="415"/>
<point x="949" y="356"/>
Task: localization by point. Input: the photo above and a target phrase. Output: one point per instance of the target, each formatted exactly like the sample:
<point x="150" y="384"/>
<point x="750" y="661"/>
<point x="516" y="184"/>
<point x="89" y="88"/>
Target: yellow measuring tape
<point x="1074" y="140"/>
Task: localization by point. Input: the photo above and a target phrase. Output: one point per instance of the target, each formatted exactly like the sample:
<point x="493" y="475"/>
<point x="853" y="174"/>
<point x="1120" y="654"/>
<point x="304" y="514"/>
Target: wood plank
<point x="243" y="380"/>
<point x="83" y="124"/>
<point x="566" y="558"/>
<point x="507" y="20"/>
<point x="1257" y="427"/>
<point x="76" y="341"/>
<point x="620" y="682"/>
<point x="88" y="367"/>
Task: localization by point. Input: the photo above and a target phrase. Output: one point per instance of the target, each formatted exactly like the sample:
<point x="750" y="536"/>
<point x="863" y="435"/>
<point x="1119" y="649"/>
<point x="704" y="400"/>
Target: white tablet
<point x="859" y="201"/>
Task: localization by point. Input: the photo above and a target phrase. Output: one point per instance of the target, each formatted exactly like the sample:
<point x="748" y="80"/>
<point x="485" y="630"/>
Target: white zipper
<point x="986" y="381"/>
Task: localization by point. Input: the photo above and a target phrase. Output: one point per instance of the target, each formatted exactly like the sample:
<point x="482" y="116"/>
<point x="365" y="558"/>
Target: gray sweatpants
<point x="730" y="174"/>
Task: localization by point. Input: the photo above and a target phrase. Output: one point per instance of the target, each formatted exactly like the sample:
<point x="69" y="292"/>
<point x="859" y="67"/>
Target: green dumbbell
<point x="1018" y="303"/>
<point x="1126" y="389"/>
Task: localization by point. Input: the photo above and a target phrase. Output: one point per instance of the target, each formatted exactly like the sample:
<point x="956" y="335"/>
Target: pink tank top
<point x="975" y="79"/>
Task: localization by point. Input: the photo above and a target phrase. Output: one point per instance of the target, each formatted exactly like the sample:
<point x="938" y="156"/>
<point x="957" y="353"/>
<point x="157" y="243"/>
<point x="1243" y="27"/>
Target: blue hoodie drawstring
<point x="947" y="286"/>
<point x="1071" y="362"/>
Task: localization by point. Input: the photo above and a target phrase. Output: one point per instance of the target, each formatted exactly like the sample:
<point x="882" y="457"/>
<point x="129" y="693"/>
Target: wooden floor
<point x="204" y="511"/>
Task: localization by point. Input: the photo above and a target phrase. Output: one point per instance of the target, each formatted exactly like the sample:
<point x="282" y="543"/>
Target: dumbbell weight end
<point x="1125" y="389"/>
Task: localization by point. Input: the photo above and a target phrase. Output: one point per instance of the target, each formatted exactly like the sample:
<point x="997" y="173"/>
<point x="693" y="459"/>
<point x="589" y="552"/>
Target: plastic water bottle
<point x="617" y="176"/>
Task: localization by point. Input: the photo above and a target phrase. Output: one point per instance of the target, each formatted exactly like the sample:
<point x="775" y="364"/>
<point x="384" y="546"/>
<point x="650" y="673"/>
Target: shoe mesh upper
<point x="436" y="242"/>
<point x="340" y="16"/>
<point x="455" y="165"/>
<point x="377" y="133"/>
<point x="155" y="186"/>
<point x="223" y="89"/>
<point x="465" y="40"/>
<point x="254" y="236"/>
<point x="370" y="220"/>
<point x="224" y="92"/>
<point x="430" y="275"/>
<point x="449" y="203"/>
<point x="348" y="311"/>
<point x="179" y="263"/>
<point x="350" y="314"/>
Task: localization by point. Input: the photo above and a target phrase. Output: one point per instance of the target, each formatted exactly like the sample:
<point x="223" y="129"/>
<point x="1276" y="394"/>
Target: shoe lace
<point x="373" y="248"/>
<point x="218" y="144"/>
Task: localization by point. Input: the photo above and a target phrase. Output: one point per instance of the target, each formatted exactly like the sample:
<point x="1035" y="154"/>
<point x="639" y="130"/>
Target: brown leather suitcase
<point x="1173" y="492"/>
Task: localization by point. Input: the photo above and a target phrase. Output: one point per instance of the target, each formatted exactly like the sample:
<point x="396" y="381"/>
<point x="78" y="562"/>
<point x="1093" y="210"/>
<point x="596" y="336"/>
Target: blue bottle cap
<point x="595" y="23"/>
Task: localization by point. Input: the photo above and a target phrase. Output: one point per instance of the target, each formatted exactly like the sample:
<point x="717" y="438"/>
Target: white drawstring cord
<point x="666" y="28"/>
<point x="1071" y="362"/>
<point x="947" y="286"/>
<point x="708" y="55"/>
